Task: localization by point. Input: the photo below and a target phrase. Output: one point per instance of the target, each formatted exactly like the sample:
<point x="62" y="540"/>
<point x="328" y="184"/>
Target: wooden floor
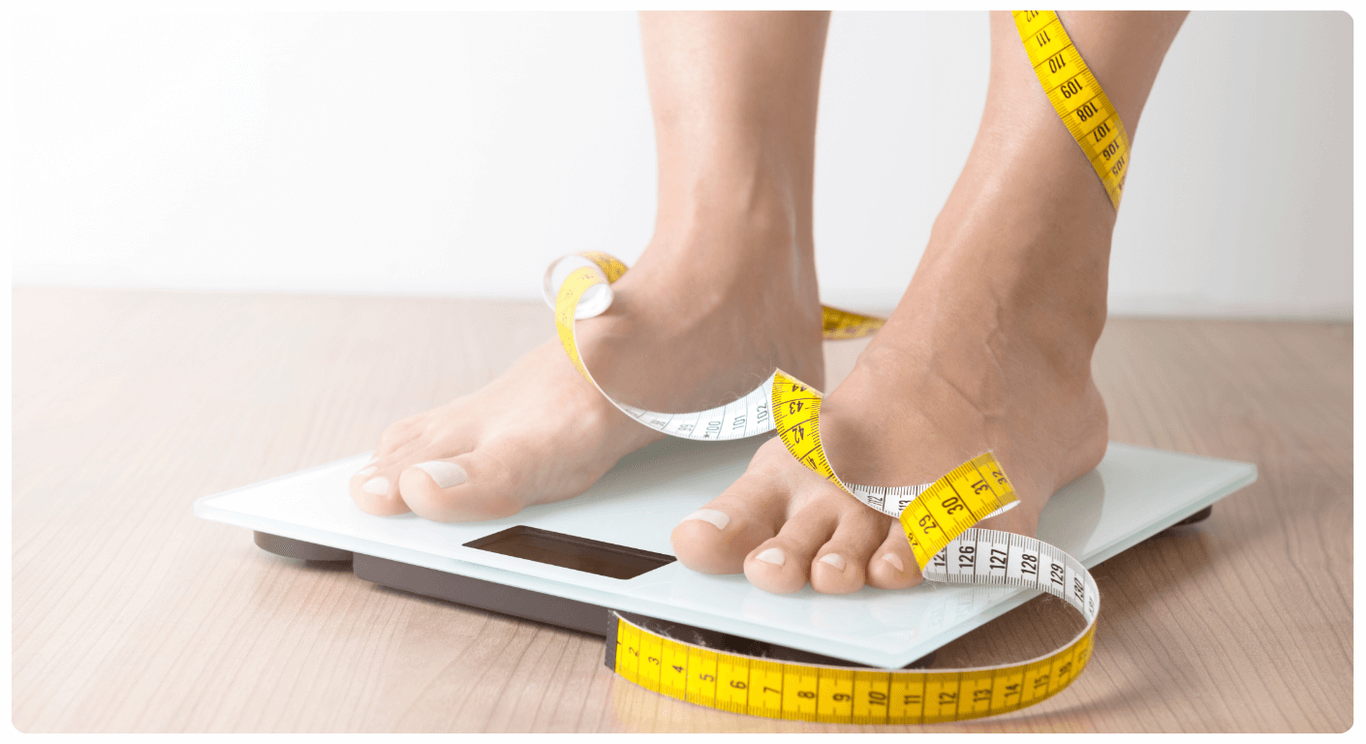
<point x="130" y="614"/>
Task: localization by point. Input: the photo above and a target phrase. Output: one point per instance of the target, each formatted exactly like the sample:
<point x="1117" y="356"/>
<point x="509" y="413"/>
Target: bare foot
<point x="696" y="323"/>
<point x="725" y="292"/>
<point x="984" y="352"/>
<point x="989" y="349"/>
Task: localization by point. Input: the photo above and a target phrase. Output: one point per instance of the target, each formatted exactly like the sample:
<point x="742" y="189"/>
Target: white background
<point x="456" y="154"/>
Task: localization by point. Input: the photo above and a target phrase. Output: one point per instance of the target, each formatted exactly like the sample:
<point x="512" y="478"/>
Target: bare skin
<point x="989" y="349"/>
<point x="727" y="284"/>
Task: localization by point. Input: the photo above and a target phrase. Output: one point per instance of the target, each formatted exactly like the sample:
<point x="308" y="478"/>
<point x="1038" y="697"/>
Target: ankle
<point x="1038" y="285"/>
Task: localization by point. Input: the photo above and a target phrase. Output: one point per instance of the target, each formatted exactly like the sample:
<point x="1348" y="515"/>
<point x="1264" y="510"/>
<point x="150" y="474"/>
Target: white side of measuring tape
<point x="744" y="417"/>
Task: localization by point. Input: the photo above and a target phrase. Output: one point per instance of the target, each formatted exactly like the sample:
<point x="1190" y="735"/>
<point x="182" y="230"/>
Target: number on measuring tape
<point x="814" y="692"/>
<point x="1076" y="97"/>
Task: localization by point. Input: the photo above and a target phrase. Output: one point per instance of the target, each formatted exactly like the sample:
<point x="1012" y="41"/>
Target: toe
<point x="840" y="565"/>
<point x="893" y="564"/>
<point x="375" y="492"/>
<point x="471" y="487"/>
<point x="782" y="565"/>
<point x="716" y="538"/>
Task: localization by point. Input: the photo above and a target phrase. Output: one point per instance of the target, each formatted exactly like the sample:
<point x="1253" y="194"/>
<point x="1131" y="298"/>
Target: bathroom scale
<point x="574" y="562"/>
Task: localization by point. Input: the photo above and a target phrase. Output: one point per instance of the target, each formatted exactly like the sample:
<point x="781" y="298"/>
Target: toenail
<point x="364" y="473"/>
<point x="718" y="518"/>
<point x="446" y="474"/>
<point x="895" y="561"/>
<point x="834" y="559"/>
<point x="376" y="485"/>
<point x="776" y="556"/>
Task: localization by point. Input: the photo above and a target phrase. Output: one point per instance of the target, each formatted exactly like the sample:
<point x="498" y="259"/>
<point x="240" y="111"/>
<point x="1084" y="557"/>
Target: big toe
<point x="716" y="538"/>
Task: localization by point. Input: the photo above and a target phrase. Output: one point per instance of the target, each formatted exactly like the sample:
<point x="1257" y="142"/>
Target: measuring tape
<point x="938" y="524"/>
<point x="584" y="282"/>
<point x="1076" y="97"/>
<point x="937" y="518"/>
<point x="831" y="694"/>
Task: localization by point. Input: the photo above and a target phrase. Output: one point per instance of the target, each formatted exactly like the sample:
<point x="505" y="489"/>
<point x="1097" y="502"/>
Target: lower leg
<point x="1023" y="157"/>
<point x="989" y="348"/>
<point x="724" y="292"/>
<point x="734" y="97"/>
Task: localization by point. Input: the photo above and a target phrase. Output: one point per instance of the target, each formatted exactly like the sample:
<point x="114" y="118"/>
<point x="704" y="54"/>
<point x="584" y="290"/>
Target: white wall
<point x="457" y="154"/>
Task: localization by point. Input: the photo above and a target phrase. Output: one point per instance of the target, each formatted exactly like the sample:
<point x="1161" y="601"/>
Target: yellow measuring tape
<point x="1076" y="97"/>
<point x="937" y="518"/>
<point x="938" y="526"/>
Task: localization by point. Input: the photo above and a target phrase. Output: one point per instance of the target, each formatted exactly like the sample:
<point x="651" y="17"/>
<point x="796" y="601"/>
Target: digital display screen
<point x="568" y="551"/>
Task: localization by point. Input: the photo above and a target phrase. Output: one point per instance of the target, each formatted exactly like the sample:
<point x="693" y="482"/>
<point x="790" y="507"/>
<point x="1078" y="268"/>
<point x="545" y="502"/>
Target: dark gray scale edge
<point x="1199" y="516"/>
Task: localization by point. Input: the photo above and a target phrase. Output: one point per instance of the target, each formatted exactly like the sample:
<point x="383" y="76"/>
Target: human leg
<point x="724" y="292"/>
<point x="989" y="348"/>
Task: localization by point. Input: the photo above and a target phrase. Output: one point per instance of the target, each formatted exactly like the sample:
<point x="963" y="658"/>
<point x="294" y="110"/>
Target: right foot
<point x="696" y="323"/>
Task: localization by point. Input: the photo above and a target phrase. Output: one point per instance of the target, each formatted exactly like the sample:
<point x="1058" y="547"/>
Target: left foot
<point x="702" y="315"/>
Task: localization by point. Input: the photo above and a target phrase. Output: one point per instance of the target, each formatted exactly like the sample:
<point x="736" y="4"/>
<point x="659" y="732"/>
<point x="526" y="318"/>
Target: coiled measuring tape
<point x="937" y="518"/>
